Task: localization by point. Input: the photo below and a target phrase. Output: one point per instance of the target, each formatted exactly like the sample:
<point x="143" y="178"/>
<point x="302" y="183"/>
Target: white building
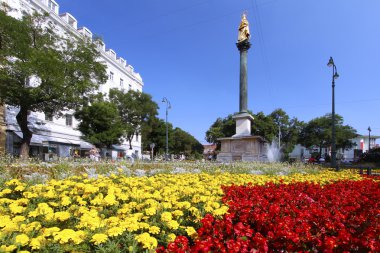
<point x="361" y="146"/>
<point x="59" y="135"/>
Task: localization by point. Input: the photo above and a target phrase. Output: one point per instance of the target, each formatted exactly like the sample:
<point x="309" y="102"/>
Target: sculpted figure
<point x="243" y="29"/>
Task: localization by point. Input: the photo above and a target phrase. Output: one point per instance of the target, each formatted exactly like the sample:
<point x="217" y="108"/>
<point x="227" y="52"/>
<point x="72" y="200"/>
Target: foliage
<point x="180" y="142"/>
<point x="136" y="109"/>
<point x="185" y="143"/>
<point x="339" y="217"/>
<point x="289" y="130"/>
<point x="95" y="213"/>
<point x="373" y="156"/>
<point x="222" y="127"/>
<point x="100" y="123"/>
<point x="317" y="132"/>
<point x="263" y="125"/>
<point x="156" y="134"/>
<point x="43" y="71"/>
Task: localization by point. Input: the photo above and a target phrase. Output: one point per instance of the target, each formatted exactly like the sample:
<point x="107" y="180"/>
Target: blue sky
<point x="185" y="51"/>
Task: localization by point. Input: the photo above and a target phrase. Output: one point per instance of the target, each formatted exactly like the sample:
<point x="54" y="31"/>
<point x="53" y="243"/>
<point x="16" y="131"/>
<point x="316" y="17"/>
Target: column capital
<point x="243" y="45"/>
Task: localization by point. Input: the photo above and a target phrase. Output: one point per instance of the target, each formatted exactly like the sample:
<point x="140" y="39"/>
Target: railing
<point x="363" y="170"/>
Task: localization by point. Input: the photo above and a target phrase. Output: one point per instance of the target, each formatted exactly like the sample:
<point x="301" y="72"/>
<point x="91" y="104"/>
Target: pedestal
<point x="243" y="148"/>
<point x="243" y="124"/>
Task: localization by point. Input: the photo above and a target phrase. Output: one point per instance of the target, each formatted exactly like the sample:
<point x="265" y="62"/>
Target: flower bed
<point x="120" y="213"/>
<point x="339" y="217"/>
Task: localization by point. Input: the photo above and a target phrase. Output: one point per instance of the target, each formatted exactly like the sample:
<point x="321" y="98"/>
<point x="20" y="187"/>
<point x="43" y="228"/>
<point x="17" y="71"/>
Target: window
<point x="129" y="86"/>
<point x="111" y="75"/>
<point x="69" y="120"/>
<point x="52" y="5"/>
<point x="137" y="137"/>
<point x="48" y="116"/>
<point x="121" y="82"/>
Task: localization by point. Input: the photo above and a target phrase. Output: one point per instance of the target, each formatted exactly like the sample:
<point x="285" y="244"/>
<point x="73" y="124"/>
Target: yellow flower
<point x="20" y="188"/>
<point x="10" y="248"/>
<point x="35" y="243"/>
<point x="166" y="216"/>
<point x="150" y="211"/>
<point x="62" y="216"/>
<point x="50" y="231"/>
<point x="10" y="227"/>
<point x="65" y="201"/>
<point x="171" y="237"/>
<point x="147" y="241"/>
<point x="99" y="238"/>
<point x="115" y="231"/>
<point x="220" y="211"/>
<point x="22" y="240"/>
<point x="4" y="220"/>
<point x="15" y="208"/>
<point x="30" y="195"/>
<point x="173" y="224"/>
<point x="191" y="231"/>
<point x="110" y="200"/>
<point x="154" y="230"/>
<point x="64" y="236"/>
<point x="177" y="213"/>
<point x="80" y="237"/>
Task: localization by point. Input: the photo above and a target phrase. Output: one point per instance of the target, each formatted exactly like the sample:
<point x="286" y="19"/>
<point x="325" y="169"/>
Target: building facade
<point x="361" y="145"/>
<point x="58" y="136"/>
<point x="3" y="129"/>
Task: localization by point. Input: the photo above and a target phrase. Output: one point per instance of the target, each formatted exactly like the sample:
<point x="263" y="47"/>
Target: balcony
<point x="68" y="18"/>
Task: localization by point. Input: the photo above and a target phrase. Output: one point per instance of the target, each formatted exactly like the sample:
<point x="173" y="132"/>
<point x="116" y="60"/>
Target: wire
<point x="142" y="21"/>
<point x="208" y="20"/>
<point x="329" y="104"/>
<point x="257" y="17"/>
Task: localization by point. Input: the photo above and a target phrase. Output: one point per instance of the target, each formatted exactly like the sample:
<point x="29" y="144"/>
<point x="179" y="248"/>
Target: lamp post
<point x="152" y="148"/>
<point x="168" y="106"/>
<point x="333" y="141"/>
<point x="369" y="139"/>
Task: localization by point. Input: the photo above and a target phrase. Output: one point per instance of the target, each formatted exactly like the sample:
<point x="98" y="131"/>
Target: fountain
<point x="273" y="152"/>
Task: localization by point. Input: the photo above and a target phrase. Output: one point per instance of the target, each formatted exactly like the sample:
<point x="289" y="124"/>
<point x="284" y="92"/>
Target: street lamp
<point x="333" y="144"/>
<point x="168" y="106"/>
<point x="369" y="139"/>
<point x="152" y="148"/>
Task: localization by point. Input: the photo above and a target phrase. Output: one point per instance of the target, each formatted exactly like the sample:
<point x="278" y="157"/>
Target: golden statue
<point x="243" y="29"/>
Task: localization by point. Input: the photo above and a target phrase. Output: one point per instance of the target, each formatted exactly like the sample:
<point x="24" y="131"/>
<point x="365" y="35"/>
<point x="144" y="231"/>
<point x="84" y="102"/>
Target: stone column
<point x="3" y="129"/>
<point x="243" y="47"/>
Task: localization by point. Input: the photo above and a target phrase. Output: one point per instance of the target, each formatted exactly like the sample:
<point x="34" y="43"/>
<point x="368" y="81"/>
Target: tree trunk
<point x="22" y="120"/>
<point x="130" y="141"/>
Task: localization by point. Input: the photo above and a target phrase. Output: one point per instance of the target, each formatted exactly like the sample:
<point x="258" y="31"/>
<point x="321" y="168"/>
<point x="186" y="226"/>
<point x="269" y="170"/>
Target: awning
<point x="85" y="145"/>
<point x="38" y="139"/>
<point x="119" y="147"/>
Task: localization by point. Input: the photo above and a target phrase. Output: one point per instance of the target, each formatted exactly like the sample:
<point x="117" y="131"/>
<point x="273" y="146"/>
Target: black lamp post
<point x="333" y="135"/>
<point x="152" y="145"/>
<point x="168" y="106"/>
<point x="369" y="139"/>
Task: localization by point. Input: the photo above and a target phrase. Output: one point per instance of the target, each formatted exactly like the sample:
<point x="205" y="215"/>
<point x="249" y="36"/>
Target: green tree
<point x="180" y="142"/>
<point x="135" y="109"/>
<point x="42" y="71"/>
<point x="222" y="127"/>
<point x="263" y="125"/>
<point x="287" y="130"/>
<point x="185" y="143"/>
<point x="226" y="127"/>
<point x="317" y="133"/>
<point x="100" y="123"/>
<point x="155" y="133"/>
